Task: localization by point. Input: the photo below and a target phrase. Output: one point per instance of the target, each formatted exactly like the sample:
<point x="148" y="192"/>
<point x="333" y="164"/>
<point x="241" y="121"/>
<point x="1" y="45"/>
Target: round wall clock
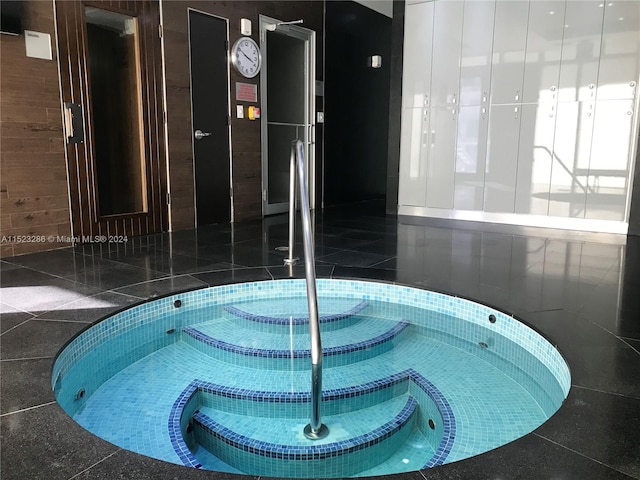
<point x="246" y="57"/>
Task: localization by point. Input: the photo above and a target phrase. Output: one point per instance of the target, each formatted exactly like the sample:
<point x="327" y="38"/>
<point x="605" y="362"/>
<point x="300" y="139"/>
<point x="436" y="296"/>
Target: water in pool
<point x="220" y="379"/>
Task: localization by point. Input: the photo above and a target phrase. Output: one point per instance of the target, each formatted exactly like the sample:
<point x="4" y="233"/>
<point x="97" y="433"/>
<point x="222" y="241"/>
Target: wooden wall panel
<point x="245" y="134"/>
<point x="35" y="198"/>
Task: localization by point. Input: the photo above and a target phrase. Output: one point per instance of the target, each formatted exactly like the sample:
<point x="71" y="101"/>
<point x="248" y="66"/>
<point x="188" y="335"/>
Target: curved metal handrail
<point x="315" y="429"/>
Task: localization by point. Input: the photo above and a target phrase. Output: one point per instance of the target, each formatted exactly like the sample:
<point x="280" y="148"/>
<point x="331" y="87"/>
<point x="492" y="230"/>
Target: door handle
<point x="74" y="130"/>
<point x="199" y="134"/>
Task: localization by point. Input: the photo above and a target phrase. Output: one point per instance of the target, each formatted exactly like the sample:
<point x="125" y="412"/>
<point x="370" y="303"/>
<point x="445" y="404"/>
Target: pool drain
<point x="432" y="424"/>
<point x="483" y="345"/>
<point x="79" y="394"/>
<point x="177" y="303"/>
<point x="171" y="330"/>
<point x="492" y="318"/>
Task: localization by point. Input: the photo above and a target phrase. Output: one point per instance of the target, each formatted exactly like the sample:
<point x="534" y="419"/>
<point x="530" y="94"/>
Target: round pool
<point x="219" y="379"/>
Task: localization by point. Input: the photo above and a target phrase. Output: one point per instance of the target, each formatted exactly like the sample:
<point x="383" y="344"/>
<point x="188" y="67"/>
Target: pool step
<point x="288" y="404"/>
<point x="293" y="314"/>
<point x="225" y="340"/>
<point x="358" y="440"/>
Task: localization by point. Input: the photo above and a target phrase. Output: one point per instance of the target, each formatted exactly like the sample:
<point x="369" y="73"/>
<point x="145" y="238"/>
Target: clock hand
<point x="246" y="56"/>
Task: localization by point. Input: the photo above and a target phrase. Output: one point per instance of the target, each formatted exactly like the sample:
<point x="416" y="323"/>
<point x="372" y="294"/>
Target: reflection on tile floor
<point x="581" y="290"/>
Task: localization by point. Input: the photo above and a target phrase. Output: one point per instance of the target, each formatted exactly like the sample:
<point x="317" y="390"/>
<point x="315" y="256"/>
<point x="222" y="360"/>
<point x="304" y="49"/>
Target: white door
<point x="581" y="50"/>
<point x="610" y="160"/>
<point x="509" y="43"/>
<point x="535" y="158"/>
<point x="544" y="50"/>
<point x="571" y="153"/>
<point x="414" y="147"/>
<point x="471" y="151"/>
<point x="447" y="43"/>
<point x="502" y="158"/>
<point x="418" y="48"/>
<point x="443" y="124"/>
<point x="477" y="48"/>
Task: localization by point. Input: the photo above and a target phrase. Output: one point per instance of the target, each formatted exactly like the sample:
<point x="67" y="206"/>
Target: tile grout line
<point x="16" y="326"/>
<point x="25" y="358"/>
<point x="604" y="391"/>
<point x="91" y="466"/>
<point x="624" y="340"/>
<point x="581" y="454"/>
<point x="617" y="337"/>
<point x="29" y="408"/>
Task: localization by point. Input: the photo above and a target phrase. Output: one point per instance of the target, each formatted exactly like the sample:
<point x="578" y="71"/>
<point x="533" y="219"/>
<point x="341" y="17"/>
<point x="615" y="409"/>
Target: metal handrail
<point x="315" y="429"/>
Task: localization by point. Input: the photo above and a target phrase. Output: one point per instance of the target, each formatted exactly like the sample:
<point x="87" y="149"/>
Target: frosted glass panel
<point x="509" y="42"/>
<point x="620" y="54"/>
<point x="441" y="164"/>
<point x="581" y="50"/>
<point x="413" y="157"/>
<point x="447" y="41"/>
<point x="572" y="149"/>
<point x="418" y="34"/>
<point x="610" y="160"/>
<point x="477" y="44"/>
<point x="544" y="49"/>
<point x="502" y="159"/>
<point x="535" y="158"/>
<point x="471" y="150"/>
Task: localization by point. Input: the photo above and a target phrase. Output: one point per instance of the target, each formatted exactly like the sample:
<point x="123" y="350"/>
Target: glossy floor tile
<point x="581" y="290"/>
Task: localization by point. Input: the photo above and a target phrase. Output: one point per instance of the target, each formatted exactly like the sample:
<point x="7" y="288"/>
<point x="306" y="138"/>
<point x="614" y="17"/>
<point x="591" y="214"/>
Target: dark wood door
<point x="110" y="67"/>
<point x="210" y="115"/>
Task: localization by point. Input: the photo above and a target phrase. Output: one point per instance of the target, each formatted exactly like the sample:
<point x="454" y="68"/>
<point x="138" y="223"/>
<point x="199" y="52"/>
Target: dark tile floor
<point x="582" y="290"/>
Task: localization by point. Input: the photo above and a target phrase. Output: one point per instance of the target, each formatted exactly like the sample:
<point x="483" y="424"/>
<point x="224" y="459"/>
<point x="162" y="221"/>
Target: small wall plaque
<point x="38" y="44"/>
<point x="246" y="92"/>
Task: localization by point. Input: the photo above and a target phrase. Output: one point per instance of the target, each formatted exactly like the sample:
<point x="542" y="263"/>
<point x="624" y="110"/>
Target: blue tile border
<point x="196" y="334"/>
<point x="296" y="320"/>
<point x="187" y="401"/>
<point x="311" y="451"/>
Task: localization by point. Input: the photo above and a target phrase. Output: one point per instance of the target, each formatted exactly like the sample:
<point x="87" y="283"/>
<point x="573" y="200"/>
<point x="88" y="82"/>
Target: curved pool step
<point x="242" y="401"/>
<point x="227" y="342"/>
<point x="357" y="440"/>
<point x="293" y="314"/>
<point x="240" y="407"/>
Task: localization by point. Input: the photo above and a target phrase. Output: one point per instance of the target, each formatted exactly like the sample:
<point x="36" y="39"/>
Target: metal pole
<point x="292" y="205"/>
<point x="315" y="430"/>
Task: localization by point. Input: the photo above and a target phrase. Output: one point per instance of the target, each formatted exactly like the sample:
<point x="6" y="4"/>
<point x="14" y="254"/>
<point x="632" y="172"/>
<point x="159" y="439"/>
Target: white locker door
<point x="535" y="157"/>
<point x="502" y="158"/>
<point x="447" y="41"/>
<point x="581" y="50"/>
<point x="443" y="123"/>
<point x="610" y="162"/>
<point x="544" y="50"/>
<point x="477" y="46"/>
<point x="471" y="151"/>
<point x="620" y="53"/>
<point x="418" y="46"/>
<point x="571" y="152"/>
<point x="509" y="43"/>
<point x="414" y="138"/>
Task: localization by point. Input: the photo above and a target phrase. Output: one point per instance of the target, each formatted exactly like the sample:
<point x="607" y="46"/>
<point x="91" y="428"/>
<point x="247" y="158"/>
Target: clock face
<point x="246" y="58"/>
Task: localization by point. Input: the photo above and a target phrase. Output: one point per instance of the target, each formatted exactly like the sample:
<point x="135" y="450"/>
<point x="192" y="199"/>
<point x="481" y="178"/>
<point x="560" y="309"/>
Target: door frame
<point x="309" y="37"/>
<point x="87" y="225"/>
<point x="193" y="146"/>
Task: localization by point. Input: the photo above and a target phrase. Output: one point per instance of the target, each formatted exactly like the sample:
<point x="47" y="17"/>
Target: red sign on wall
<point x="246" y="92"/>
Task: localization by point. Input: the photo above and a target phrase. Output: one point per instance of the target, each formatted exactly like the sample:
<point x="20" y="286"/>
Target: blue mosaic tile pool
<point x="412" y="379"/>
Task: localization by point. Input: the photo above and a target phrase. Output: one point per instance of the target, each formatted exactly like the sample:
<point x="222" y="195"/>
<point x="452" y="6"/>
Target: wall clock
<point x="246" y="57"/>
